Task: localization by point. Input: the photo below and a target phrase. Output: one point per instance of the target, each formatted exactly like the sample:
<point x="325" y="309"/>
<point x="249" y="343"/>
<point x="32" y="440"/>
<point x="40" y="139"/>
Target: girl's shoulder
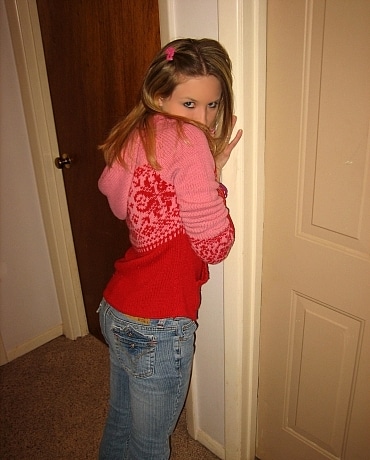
<point x="178" y="132"/>
<point x="181" y="145"/>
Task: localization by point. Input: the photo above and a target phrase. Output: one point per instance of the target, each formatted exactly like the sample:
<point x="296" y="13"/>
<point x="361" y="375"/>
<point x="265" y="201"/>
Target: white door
<point x="314" y="395"/>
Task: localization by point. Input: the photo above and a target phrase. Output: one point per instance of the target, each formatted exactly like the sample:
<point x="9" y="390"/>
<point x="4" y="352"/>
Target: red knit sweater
<point x="177" y="220"/>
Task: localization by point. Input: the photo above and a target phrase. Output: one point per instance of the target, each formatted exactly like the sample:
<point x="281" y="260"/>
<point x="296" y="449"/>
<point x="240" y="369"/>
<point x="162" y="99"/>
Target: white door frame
<point x="28" y="50"/>
<point x="242" y="29"/>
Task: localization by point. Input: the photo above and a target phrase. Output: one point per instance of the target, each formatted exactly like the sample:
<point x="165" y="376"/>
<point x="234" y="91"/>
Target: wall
<point x="198" y="20"/>
<point x="29" y="313"/>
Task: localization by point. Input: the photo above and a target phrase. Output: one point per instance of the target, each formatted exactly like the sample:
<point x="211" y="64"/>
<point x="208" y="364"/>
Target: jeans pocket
<point x="102" y="312"/>
<point x="188" y="330"/>
<point x="134" y="350"/>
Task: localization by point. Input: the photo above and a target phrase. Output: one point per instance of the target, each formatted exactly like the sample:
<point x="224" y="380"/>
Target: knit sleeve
<point x="115" y="182"/>
<point x="203" y="212"/>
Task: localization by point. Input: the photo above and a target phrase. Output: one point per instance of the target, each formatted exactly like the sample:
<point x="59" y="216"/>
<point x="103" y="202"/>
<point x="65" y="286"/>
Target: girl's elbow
<point x="215" y="250"/>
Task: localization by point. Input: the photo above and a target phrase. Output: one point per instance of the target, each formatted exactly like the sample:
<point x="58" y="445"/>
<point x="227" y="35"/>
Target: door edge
<point x="242" y="29"/>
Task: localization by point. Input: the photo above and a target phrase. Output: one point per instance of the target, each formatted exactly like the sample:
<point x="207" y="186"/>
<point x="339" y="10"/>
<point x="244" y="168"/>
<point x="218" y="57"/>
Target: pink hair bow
<point x="170" y="52"/>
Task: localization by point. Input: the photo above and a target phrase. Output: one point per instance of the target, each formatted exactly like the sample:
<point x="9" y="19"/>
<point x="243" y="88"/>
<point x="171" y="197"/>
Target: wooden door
<point x="96" y="54"/>
<point x="314" y="396"/>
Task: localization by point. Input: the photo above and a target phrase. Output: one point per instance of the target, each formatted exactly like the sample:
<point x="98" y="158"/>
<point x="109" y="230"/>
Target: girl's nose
<point x="202" y="117"/>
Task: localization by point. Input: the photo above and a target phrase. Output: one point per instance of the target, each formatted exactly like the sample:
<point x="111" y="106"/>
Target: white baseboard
<point x="34" y="343"/>
<point x="211" y="444"/>
<point x="193" y="423"/>
<point x="3" y="355"/>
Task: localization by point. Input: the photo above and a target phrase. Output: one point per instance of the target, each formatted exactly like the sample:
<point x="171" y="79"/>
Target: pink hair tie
<point x="170" y="52"/>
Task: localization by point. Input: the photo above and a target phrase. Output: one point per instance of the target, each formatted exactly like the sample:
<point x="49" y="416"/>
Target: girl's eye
<point x="213" y="105"/>
<point x="189" y="104"/>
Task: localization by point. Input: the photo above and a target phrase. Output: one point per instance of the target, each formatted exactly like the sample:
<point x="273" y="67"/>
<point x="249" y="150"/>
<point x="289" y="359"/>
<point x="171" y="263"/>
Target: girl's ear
<point x="160" y="102"/>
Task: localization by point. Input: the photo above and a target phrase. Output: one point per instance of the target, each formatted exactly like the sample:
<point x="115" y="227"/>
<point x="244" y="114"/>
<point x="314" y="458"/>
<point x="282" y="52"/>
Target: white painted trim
<point x="29" y="55"/>
<point x="192" y="421"/>
<point x="167" y="20"/>
<point x="242" y="30"/>
<point x="3" y="355"/>
<point x="35" y="342"/>
<point x="211" y="444"/>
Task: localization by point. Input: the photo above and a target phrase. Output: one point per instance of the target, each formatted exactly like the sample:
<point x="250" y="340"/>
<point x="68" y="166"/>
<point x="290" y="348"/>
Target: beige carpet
<point x="54" y="403"/>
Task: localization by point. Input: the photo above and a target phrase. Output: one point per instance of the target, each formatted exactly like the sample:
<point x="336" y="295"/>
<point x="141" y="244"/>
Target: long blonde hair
<point x="191" y="58"/>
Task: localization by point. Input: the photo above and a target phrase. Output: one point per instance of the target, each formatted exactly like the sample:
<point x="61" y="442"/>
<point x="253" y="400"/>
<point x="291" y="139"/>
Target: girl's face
<point x="194" y="98"/>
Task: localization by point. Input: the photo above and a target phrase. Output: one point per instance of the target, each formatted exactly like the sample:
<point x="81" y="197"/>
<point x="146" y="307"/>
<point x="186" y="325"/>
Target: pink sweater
<point x="177" y="220"/>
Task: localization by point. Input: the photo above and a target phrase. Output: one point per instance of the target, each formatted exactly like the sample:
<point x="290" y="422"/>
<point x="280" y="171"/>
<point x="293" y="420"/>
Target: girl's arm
<point x="202" y="207"/>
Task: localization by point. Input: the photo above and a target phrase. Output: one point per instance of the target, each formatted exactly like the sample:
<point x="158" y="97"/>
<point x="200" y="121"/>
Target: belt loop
<point x="161" y="323"/>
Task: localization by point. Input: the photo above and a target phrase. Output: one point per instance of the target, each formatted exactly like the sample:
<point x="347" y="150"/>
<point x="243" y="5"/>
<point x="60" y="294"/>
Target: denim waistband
<point x="160" y="323"/>
<point x="149" y="321"/>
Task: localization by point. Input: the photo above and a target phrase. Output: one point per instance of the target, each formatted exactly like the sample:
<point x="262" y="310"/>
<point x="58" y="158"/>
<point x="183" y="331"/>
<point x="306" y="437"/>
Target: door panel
<point x="96" y="55"/>
<point x="335" y="186"/>
<point x="314" y="400"/>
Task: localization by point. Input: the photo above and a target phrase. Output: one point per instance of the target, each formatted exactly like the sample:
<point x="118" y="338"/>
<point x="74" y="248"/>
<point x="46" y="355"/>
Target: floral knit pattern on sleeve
<point x="154" y="218"/>
<point x="153" y="213"/>
<point x="216" y="248"/>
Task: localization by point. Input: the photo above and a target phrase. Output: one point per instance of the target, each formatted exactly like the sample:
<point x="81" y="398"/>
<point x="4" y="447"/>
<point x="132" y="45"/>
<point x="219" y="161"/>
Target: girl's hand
<point x="223" y="157"/>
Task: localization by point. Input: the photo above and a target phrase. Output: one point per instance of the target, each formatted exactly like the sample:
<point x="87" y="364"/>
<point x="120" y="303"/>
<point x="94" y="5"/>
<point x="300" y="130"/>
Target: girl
<point x="163" y="167"/>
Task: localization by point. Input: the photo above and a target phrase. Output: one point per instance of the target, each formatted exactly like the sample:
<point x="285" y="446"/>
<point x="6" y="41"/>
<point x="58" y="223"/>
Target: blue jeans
<point x="149" y="379"/>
